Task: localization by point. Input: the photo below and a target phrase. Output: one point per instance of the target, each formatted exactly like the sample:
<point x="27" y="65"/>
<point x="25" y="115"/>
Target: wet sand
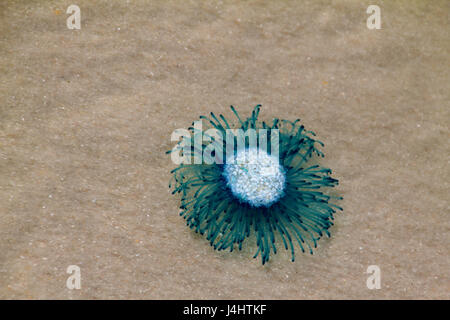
<point x="86" y="117"/>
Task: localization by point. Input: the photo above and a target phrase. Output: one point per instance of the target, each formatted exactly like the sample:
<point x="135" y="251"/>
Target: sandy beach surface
<point x="86" y="117"/>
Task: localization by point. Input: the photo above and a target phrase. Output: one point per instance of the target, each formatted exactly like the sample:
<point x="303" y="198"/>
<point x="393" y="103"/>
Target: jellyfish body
<point x="276" y="197"/>
<point x="255" y="177"/>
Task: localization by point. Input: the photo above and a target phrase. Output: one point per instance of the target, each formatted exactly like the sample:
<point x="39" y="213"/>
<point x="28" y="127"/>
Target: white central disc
<point x="255" y="178"/>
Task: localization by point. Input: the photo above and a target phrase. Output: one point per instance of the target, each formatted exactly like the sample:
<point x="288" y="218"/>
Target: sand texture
<point x="86" y="117"/>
